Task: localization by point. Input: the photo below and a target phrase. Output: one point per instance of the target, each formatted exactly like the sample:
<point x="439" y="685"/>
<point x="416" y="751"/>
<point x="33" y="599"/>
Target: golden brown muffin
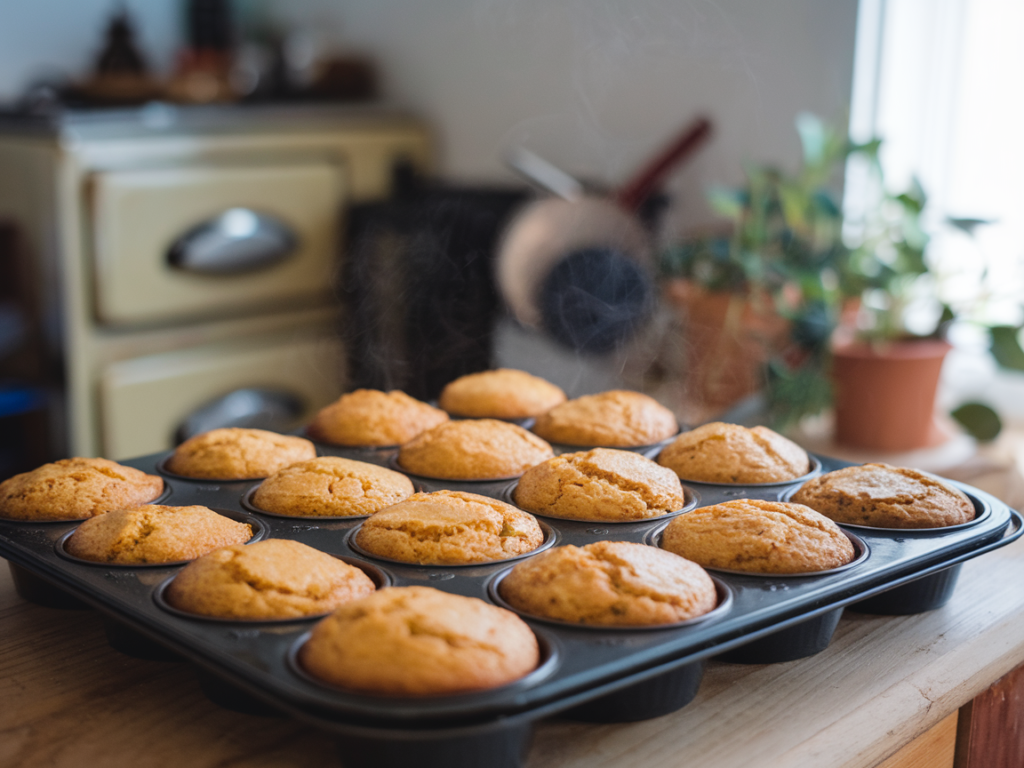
<point x="600" y="484"/>
<point x="450" y="528"/>
<point x="610" y="583"/>
<point x="74" y="489"/>
<point x="154" y="534"/>
<point x="477" y="449"/>
<point x="418" y="641"/>
<point x="758" y="537"/>
<point x="332" y="487"/>
<point x="271" y="579"/>
<point x="613" y="419"/>
<point x="369" y="417"/>
<point x="729" y="453"/>
<point x="504" y="393"/>
<point x="882" y="496"/>
<point x="233" y="453"/>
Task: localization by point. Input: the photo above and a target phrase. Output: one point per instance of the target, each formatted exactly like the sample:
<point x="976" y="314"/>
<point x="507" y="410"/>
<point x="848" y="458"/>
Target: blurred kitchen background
<point x="220" y="212"/>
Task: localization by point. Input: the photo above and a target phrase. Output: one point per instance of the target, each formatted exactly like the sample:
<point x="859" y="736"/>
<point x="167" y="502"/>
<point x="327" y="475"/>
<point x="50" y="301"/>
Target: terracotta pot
<point x="885" y="394"/>
<point x="728" y="338"/>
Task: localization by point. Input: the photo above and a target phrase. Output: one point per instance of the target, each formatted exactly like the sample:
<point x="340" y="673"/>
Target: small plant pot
<point x="885" y="394"/>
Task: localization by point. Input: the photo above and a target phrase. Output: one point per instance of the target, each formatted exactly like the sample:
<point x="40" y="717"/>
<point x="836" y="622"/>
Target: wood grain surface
<point x="68" y="699"/>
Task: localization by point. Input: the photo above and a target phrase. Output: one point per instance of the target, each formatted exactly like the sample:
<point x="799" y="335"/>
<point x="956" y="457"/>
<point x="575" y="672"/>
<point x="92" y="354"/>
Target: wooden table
<point x="67" y="699"/>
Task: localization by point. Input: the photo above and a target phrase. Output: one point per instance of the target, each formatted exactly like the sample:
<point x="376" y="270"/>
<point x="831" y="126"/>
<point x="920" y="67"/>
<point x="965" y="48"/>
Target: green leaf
<point x="1006" y="347"/>
<point x="980" y="421"/>
<point x="727" y="202"/>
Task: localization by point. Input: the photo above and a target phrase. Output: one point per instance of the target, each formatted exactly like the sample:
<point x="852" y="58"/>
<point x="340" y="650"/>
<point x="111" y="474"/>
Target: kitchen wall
<point x="594" y="85"/>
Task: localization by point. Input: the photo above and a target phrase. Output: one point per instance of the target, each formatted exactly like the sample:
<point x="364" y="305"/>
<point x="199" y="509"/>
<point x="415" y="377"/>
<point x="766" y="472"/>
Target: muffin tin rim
<point x="976" y="502"/>
<point x="861" y="554"/>
<point x="549" y="646"/>
<point x="260" y="532"/>
<point x="164" y="605"/>
<point x="722" y="590"/>
<point x="690" y="496"/>
<point x="551" y="537"/>
<point x="814" y="471"/>
<point x="246" y="502"/>
<point x="162" y="497"/>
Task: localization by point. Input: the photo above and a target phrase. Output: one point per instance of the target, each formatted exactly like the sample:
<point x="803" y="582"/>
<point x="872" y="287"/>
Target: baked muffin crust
<point x="369" y="417"/>
<point x="610" y="583"/>
<point x="75" y="489"/>
<point x="154" y="534"/>
<point x="729" y="453"/>
<point x="614" y="419"/>
<point x="419" y="641"/>
<point x="233" y="453"/>
<point x="504" y="393"/>
<point x="271" y="579"/>
<point x="758" y="537"/>
<point x="883" y="496"/>
<point x="331" y="486"/>
<point x="600" y="484"/>
<point x="473" y="449"/>
<point x="450" y="527"/>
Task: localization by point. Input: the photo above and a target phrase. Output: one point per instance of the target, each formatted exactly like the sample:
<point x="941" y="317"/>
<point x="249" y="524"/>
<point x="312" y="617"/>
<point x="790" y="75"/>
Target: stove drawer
<point x="176" y="243"/>
<point x="145" y="401"/>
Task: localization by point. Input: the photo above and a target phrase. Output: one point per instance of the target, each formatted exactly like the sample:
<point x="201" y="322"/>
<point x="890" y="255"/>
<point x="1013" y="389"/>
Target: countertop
<point x="70" y="700"/>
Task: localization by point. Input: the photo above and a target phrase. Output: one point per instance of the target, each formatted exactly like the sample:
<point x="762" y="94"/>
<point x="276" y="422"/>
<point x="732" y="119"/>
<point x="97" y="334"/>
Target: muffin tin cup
<point x="161" y="467"/>
<point x="814" y="472"/>
<point x="247" y="502"/>
<point x="550" y="539"/>
<point x="500" y="745"/>
<point x="925" y="594"/>
<point x="722" y="607"/>
<point x="981" y="512"/>
<point x="691" y="499"/>
<point x="427" y="480"/>
<point x="379" y="577"/>
<point x="654" y="697"/>
<point x="546" y="666"/>
<point x="798" y="641"/>
<point x="259" y="532"/>
<point x="35" y="589"/>
<point x="131" y="642"/>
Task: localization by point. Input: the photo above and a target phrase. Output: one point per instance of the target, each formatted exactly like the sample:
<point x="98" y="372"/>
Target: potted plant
<point x="860" y="306"/>
<point x="762" y="300"/>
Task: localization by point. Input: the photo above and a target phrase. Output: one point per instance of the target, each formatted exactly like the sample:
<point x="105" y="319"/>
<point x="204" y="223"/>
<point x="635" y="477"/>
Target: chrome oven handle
<point x="237" y="240"/>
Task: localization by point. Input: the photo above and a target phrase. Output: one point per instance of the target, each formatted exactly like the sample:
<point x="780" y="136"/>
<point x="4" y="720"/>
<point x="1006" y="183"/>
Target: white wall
<point x="594" y="85"/>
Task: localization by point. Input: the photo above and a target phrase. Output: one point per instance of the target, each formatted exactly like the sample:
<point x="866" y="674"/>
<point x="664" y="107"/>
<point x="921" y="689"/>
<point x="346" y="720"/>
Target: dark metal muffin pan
<point x="596" y="675"/>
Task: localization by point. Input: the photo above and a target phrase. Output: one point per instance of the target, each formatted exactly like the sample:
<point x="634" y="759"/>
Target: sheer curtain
<point x="942" y="83"/>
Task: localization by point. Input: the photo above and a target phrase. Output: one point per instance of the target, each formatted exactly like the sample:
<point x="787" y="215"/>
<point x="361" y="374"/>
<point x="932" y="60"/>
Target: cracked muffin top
<point x="610" y="583"/>
<point x="504" y="393"/>
<point x="271" y="579"/>
<point x="883" y="496"/>
<point x="474" y="449"/>
<point x="615" y="419"/>
<point x="331" y="486"/>
<point x="154" y="534"/>
<point x="419" y="641"/>
<point x="450" y="527"/>
<point x="75" y="489"/>
<point x="369" y="417"/>
<point x="233" y="453"/>
<point x="758" y="536"/>
<point x="729" y="453"/>
<point x="600" y="484"/>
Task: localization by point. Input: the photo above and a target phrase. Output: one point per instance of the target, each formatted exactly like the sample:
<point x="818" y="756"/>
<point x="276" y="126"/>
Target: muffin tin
<point x="590" y="673"/>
